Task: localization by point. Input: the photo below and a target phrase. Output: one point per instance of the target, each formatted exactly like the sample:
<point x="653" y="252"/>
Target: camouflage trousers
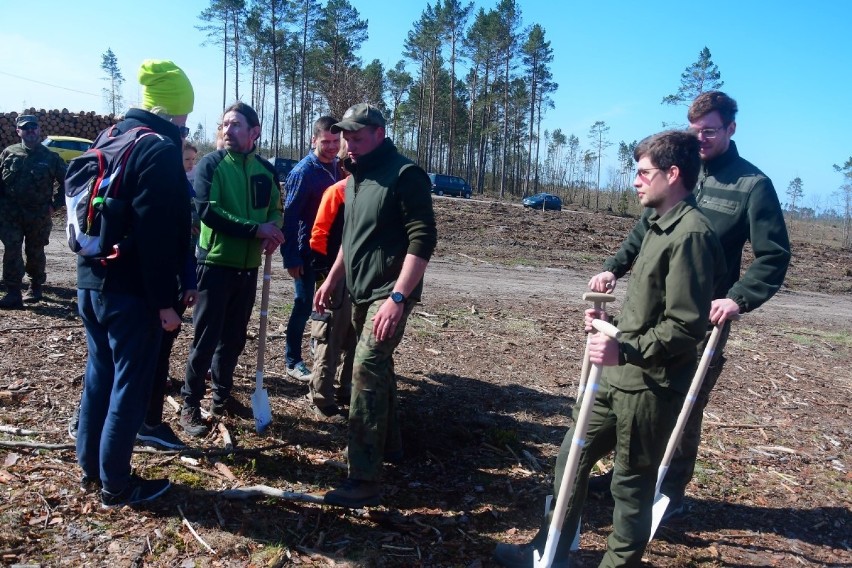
<point x="334" y="339"/>
<point x="683" y="462"/>
<point x="23" y="236"/>
<point x="373" y="420"/>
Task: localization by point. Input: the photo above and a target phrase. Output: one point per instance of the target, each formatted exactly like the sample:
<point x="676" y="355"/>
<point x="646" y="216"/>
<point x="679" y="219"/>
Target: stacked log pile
<point x="56" y="123"/>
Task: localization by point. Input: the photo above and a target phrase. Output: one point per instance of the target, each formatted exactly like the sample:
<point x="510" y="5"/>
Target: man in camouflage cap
<point x="30" y="190"/>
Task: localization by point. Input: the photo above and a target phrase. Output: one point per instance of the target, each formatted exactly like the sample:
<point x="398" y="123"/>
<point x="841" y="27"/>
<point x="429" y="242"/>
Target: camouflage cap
<point x="357" y="117"/>
<point x="26" y="119"/>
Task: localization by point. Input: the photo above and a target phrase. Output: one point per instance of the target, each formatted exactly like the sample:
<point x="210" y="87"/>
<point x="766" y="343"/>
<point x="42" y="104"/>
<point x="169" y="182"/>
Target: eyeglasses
<point x="643" y="172"/>
<point x="707" y="133"/>
<point x="184" y="131"/>
<point x="30" y="127"/>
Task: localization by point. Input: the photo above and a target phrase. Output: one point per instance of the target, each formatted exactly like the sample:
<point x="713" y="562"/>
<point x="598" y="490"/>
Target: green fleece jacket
<point x="234" y="194"/>
<point x="387" y="215"/>
<point x="665" y="312"/>
<point x="741" y="204"/>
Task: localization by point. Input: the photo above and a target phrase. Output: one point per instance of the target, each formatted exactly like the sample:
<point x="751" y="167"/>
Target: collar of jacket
<point x="673" y="215"/>
<point x="241" y="157"/>
<point x="312" y="156"/>
<point x="721" y="162"/>
<point x="369" y="161"/>
<point x="315" y="162"/>
<point x="157" y="124"/>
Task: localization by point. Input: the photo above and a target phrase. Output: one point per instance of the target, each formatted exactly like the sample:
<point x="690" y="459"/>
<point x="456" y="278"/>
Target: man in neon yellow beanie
<point x="127" y="302"/>
<point x="166" y="86"/>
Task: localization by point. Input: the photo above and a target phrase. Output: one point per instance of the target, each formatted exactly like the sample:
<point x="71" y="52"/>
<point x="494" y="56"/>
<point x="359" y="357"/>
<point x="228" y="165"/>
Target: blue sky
<point x="785" y="62"/>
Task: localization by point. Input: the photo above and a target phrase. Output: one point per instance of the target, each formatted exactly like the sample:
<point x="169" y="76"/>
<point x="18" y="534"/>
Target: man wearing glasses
<point x="647" y="372"/>
<point x="30" y="172"/>
<point x="741" y="203"/>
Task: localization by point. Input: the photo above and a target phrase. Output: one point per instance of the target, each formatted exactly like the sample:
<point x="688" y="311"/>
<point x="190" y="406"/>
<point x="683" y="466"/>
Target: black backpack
<point x="96" y="212"/>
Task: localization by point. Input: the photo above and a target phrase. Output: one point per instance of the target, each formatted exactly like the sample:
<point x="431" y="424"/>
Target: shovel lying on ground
<point x="661" y="502"/>
<point x="260" y="399"/>
<point x="566" y="487"/>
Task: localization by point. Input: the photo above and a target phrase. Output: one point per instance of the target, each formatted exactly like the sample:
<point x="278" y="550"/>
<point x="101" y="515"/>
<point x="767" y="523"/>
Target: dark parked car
<point x="543" y="201"/>
<point x="450" y="185"/>
<point x="283" y="167"/>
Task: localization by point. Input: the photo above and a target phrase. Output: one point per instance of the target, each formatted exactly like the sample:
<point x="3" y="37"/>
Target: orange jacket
<point x="328" y="225"/>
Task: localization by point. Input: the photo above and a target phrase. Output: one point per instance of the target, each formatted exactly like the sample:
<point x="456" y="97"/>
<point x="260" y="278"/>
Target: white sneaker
<point x="300" y="372"/>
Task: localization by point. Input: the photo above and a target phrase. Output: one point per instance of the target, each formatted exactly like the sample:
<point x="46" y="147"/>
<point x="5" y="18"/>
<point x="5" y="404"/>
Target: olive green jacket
<point x="387" y="215"/>
<point x="741" y="204"/>
<point x="667" y="307"/>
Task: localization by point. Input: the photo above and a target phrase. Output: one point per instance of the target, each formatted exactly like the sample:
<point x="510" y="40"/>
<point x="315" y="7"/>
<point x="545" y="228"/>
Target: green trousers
<point x="637" y="426"/>
<point x="683" y="462"/>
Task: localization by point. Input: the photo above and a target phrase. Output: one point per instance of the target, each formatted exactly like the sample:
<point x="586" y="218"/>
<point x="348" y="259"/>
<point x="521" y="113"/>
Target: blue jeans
<point x="123" y="336"/>
<point x="303" y="299"/>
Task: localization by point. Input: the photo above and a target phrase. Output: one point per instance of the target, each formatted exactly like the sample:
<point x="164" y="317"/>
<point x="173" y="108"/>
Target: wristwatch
<point x="397" y="298"/>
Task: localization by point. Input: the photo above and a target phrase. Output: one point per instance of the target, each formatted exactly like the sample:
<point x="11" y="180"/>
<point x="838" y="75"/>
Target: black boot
<point x="34" y="294"/>
<point x="12" y="300"/>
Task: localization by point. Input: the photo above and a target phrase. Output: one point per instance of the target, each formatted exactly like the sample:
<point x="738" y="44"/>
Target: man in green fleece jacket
<point x="389" y="235"/>
<point x="742" y="205"/>
<point x="239" y="203"/>
<point x="647" y="371"/>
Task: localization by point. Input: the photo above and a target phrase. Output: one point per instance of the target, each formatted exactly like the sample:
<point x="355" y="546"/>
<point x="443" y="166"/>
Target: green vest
<point x="375" y="239"/>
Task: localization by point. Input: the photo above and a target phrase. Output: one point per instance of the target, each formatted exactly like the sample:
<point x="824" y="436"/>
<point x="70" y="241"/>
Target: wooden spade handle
<point x="264" y="315"/>
<point x="606" y="328"/>
<point x="598" y="298"/>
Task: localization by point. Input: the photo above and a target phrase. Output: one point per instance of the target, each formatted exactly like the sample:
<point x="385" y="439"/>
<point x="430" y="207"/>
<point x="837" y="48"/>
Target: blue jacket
<point x="304" y="188"/>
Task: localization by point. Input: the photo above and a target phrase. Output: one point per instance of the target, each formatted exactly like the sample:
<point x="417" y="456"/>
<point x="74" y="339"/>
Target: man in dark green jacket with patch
<point x="389" y="235"/>
<point x="741" y="204"/>
<point x="239" y="203"/>
<point x="647" y="372"/>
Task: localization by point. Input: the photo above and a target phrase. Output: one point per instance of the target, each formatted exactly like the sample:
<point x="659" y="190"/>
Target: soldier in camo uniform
<point x="30" y="190"/>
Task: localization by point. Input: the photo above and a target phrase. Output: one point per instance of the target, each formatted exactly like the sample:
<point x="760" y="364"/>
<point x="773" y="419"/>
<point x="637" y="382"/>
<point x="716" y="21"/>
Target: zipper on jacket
<point x="248" y="207"/>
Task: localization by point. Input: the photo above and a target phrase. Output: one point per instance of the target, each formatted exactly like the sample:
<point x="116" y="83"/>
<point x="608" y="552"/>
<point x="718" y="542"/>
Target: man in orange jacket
<point x="331" y="333"/>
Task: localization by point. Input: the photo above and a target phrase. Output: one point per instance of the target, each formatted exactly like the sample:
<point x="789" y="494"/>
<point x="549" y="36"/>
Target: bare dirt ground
<point x="487" y="374"/>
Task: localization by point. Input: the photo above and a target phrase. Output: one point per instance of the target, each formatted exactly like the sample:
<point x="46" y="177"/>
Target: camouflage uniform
<point x="373" y="422"/>
<point x="26" y="195"/>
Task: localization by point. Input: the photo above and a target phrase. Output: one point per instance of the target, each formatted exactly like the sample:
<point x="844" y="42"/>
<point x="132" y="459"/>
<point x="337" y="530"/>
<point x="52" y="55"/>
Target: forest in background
<point x="467" y="97"/>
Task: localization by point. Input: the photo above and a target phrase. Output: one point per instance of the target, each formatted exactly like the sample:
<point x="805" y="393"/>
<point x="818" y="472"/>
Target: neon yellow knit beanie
<point x="165" y="85"/>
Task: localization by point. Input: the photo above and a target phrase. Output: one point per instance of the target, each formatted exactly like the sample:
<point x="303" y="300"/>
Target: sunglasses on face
<point x="29" y="127"/>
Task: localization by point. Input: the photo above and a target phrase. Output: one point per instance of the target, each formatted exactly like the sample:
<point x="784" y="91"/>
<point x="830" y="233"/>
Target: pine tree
<point x="223" y="23"/>
<point x="701" y="76"/>
<point x="598" y="140"/>
<point x="339" y="34"/>
<point x="845" y="196"/>
<point x="794" y="192"/>
<point x="399" y="81"/>
<point x="112" y="94"/>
